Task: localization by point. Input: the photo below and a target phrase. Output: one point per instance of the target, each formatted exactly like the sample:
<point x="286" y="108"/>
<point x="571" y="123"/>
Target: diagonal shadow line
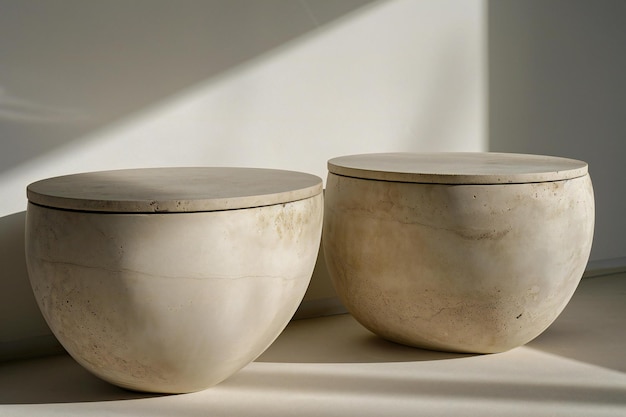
<point x="100" y="62"/>
<point x="178" y="69"/>
<point x="315" y="381"/>
<point x="589" y="329"/>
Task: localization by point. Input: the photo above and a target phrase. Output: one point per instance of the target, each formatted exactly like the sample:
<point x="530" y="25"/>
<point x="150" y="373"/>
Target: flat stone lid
<point x="458" y="168"/>
<point x="158" y="190"/>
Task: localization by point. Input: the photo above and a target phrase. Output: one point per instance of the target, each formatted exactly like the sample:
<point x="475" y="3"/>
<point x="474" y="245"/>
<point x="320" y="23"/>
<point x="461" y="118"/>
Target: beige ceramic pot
<point x="468" y="252"/>
<point x="170" y="280"/>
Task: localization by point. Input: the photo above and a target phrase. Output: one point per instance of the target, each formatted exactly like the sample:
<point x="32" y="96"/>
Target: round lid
<point x="151" y="190"/>
<point x="458" y="168"/>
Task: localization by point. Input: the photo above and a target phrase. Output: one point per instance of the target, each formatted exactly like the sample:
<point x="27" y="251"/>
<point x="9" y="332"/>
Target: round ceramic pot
<point x="466" y="252"/>
<point x="170" y="280"/>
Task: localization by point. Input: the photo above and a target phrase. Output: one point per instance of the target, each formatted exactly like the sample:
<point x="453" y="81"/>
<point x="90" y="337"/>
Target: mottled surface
<point x="472" y="268"/>
<point x="171" y="302"/>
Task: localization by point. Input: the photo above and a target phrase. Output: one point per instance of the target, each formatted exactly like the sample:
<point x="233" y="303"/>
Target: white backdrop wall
<point x="281" y="83"/>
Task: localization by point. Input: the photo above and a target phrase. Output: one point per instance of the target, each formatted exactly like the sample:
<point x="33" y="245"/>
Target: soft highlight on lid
<point x="173" y="190"/>
<point x="458" y="167"/>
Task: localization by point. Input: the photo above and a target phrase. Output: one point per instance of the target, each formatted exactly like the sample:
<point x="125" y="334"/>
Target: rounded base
<point x="171" y="302"/>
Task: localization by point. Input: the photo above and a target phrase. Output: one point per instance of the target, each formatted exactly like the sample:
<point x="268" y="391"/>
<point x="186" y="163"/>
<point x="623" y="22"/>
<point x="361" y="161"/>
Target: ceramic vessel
<point x="467" y="252"/>
<point x="170" y="280"/>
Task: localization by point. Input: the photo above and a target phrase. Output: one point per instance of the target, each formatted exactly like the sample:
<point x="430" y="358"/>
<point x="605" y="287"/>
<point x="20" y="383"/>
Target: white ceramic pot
<point x="469" y="252"/>
<point x="170" y="280"/>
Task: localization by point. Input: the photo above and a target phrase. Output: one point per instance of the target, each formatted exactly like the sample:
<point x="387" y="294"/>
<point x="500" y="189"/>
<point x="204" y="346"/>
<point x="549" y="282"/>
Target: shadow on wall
<point x="57" y="87"/>
<point x="71" y="67"/>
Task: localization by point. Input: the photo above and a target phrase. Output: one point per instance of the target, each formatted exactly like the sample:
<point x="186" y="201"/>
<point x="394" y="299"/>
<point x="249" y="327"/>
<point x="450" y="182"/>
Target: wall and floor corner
<point x="289" y="84"/>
